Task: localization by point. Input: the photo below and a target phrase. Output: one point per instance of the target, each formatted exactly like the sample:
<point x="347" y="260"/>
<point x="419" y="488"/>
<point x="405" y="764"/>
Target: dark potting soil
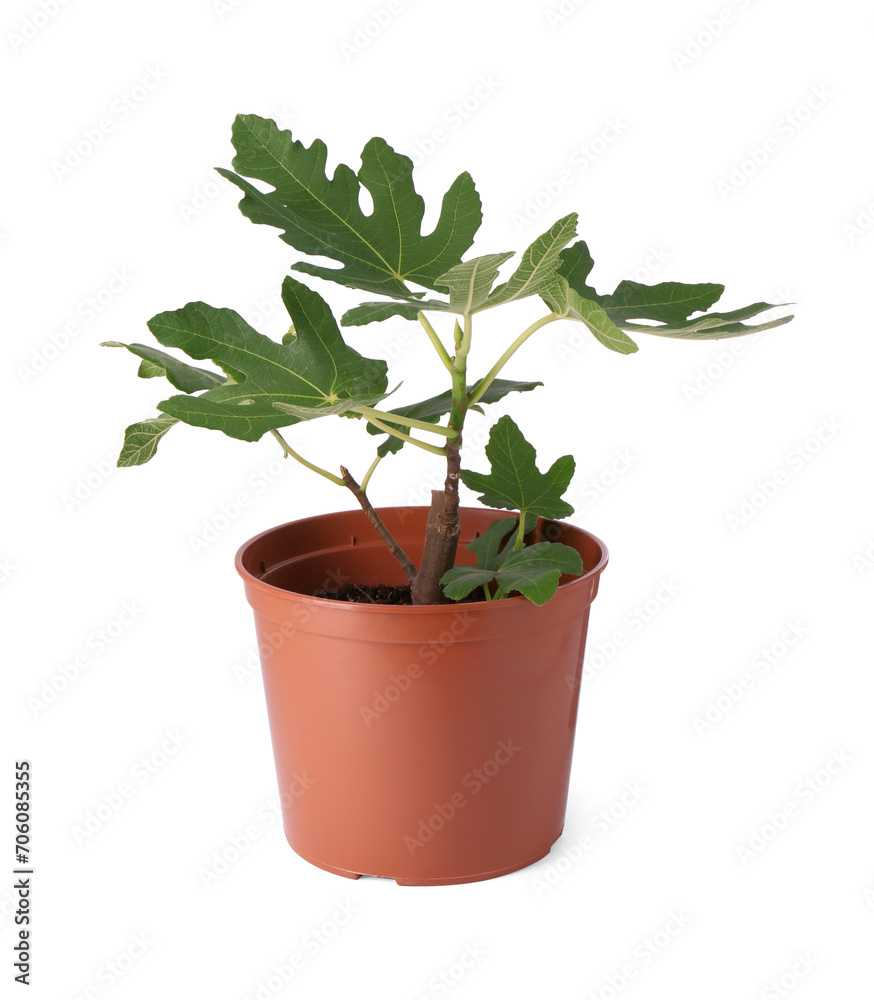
<point x="380" y="594"/>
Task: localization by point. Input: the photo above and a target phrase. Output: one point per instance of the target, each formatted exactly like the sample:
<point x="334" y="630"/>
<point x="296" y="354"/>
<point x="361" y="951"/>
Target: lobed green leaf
<point x="469" y="283"/>
<point x="376" y="312"/>
<point x="178" y="373"/>
<point x="460" y="581"/>
<point x="568" y="303"/>
<point x="487" y="547"/>
<point x="668" y="306"/>
<point x="515" y="483"/>
<point x="312" y="373"/>
<point x="535" y="570"/>
<point x="539" y="264"/>
<point x="378" y="252"/>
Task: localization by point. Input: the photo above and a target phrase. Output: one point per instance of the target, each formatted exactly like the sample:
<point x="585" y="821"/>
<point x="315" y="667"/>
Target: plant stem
<point x="464" y="346"/>
<point x="443" y="526"/>
<point x="366" y="480"/>
<point x="519" y="542"/>
<point x="395" y="418"/>
<point x="406" y="437"/>
<point x="403" y="559"/>
<point x="289" y="451"/>
<point x="511" y="350"/>
<point x="436" y="341"/>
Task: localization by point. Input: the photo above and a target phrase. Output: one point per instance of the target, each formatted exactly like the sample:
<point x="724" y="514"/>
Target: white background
<point x="604" y="108"/>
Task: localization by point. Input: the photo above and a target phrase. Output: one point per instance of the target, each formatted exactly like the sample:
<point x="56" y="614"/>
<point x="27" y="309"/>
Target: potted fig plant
<point x="421" y="665"/>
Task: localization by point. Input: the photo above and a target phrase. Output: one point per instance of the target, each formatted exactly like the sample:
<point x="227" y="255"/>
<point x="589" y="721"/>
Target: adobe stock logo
<point x="785" y="128"/>
<point x="805" y="793"/>
<point x="795" y="460"/>
<point x="120" y="110"/>
<point x="474" y="782"/>
<point x="371" y="29"/>
<point x="35" y="22"/>
<point x="733" y="692"/>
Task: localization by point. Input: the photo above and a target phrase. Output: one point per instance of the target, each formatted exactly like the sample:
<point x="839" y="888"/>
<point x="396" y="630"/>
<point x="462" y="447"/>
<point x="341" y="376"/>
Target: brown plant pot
<point x="431" y="745"/>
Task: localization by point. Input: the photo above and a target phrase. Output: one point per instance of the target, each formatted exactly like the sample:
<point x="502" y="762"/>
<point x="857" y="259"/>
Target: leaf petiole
<point x="511" y="350"/>
<point x="406" y="437"/>
<point x="436" y="341"/>
<point x="289" y="451"/>
<point x="519" y="542"/>
<point x="394" y="418"/>
<point x="369" y="473"/>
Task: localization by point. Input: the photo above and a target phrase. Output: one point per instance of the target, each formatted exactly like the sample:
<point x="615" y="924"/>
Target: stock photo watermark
<point x="139" y="774"/>
<point x="203" y="197"/>
<point x="733" y="692"/>
<point x="34" y="22"/>
<point x="239" y="844"/>
<point x="8" y="569"/>
<point x="367" y="31"/>
<point x="232" y="509"/>
<point x="111" y="972"/>
<point x="120" y="109"/>
<point x="707" y="376"/>
<point x="448" y="978"/>
<point x="84" y="313"/>
<point x="796" y="459"/>
<point x="558" y="15"/>
<point x="429" y="653"/>
<point x="633" y="623"/>
<point x="599" y="485"/>
<point x="86" y="485"/>
<point x="472" y="783"/>
<point x="803" y="963"/>
<point x="710" y="31"/>
<point x="579" y="160"/>
<point x="311" y="945"/>
<point x="642" y="957"/>
<point x="786" y="127"/>
<point x="864" y="560"/>
<point x="862" y="223"/>
<point x="779" y="819"/>
<point x="57" y="684"/>
<point x="568" y="856"/>
<point x="455" y="117"/>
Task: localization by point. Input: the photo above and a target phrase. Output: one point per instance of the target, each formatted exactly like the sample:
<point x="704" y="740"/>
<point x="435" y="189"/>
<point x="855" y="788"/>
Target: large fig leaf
<point x="141" y="439"/>
<point x="668" y="305"/>
<point x="315" y="372"/>
<point x="380" y="251"/>
<point x="178" y="373"/>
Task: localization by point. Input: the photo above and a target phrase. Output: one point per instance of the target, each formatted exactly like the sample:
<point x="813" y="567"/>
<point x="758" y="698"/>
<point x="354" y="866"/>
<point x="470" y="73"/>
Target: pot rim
<point x="320" y="602"/>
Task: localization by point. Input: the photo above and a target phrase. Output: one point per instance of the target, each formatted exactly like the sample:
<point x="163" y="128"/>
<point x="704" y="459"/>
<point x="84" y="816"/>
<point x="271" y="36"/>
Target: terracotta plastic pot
<point x="431" y="745"/>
